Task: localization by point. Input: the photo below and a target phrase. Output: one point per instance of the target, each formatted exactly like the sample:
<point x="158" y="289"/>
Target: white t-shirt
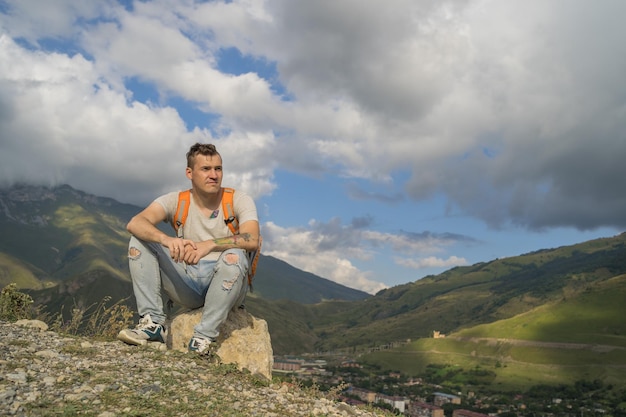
<point x="198" y="227"/>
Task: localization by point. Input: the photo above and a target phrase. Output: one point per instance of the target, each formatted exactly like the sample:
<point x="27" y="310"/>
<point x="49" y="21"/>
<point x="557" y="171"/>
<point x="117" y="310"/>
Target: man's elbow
<point x="248" y="241"/>
<point x="130" y="225"/>
<point x="256" y="242"/>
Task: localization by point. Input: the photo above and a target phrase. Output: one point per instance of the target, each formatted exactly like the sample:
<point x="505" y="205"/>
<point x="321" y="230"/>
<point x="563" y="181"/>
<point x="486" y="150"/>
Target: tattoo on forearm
<point x="233" y="240"/>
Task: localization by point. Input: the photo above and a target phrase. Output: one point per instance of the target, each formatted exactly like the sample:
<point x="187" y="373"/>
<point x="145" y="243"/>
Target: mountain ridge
<point x="59" y="233"/>
<point x="488" y="297"/>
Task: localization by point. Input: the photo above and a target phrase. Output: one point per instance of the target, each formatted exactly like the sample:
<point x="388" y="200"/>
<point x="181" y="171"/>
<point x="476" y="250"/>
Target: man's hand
<point x="178" y="247"/>
<point x="197" y="251"/>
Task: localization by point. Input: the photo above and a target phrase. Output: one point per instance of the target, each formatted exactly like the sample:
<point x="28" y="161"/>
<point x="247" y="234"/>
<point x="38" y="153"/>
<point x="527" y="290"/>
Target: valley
<point x="552" y="317"/>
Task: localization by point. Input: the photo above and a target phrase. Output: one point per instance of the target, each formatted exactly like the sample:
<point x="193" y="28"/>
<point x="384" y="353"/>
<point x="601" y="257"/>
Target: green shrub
<point x="14" y="305"/>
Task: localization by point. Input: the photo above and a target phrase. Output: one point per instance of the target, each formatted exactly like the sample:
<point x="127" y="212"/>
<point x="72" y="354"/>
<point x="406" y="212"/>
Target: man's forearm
<point x="242" y="241"/>
<point x="142" y="229"/>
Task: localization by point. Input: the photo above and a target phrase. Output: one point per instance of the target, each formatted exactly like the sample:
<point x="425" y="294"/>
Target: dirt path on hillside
<point x="554" y="345"/>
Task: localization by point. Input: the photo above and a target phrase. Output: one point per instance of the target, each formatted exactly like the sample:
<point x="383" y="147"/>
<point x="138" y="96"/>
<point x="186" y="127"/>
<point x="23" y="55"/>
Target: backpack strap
<point x="228" y="208"/>
<point x="182" y="209"/>
<point x="233" y="224"/>
<point x="253" y="257"/>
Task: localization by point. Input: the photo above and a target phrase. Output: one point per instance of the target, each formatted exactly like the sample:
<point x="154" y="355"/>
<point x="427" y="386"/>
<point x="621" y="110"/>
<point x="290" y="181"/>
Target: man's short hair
<point x="207" y="149"/>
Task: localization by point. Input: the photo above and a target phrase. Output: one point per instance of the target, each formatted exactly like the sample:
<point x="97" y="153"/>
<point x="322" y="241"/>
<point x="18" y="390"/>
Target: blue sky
<point x="383" y="142"/>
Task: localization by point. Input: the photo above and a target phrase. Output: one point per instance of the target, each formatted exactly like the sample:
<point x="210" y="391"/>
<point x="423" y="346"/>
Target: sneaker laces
<point x="203" y="345"/>
<point x="146" y="323"/>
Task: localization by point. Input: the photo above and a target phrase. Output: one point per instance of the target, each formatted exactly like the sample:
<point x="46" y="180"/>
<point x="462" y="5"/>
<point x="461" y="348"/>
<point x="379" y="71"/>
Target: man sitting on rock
<point x="206" y="267"/>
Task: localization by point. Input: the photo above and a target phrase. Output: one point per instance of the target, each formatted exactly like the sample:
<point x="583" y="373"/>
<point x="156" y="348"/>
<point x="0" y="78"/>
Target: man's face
<point x="206" y="173"/>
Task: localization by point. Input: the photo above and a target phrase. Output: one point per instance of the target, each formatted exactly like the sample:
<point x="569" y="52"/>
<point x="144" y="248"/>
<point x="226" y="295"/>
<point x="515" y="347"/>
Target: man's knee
<point x="231" y="258"/>
<point x="234" y="269"/>
<point x="234" y="257"/>
<point x="133" y="252"/>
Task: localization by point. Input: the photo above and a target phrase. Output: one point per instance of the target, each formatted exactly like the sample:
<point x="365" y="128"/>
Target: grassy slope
<point x="483" y="293"/>
<point x="582" y="336"/>
<point x="13" y="270"/>
<point x="510" y="367"/>
<point x="537" y="295"/>
<point x="74" y="241"/>
<point x="97" y="239"/>
<point x="594" y="316"/>
<point x="77" y="243"/>
<point x="291" y="324"/>
<point x="288" y="323"/>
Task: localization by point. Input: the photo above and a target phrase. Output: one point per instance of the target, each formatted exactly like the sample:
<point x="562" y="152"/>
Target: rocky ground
<point x="43" y="373"/>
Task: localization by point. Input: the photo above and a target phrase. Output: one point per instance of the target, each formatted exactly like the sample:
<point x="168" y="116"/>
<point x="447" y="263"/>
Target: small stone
<point x="49" y="380"/>
<point x="47" y="353"/>
<point x="7" y="395"/>
<point x="33" y="324"/>
<point x="17" y="377"/>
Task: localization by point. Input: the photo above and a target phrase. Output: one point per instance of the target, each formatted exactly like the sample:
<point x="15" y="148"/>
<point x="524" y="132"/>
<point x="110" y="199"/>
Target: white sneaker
<point x="146" y="331"/>
<point x="202" y="346"/>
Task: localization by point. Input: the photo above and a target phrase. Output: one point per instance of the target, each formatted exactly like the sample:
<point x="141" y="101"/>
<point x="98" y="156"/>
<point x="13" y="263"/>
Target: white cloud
<point x="474" y="106"/>
<point x="513" y="111"/>
<point x="325" y="249"/>
<point x="73" y="127"/>
<point x="411" y="243"/>
<point x="34" y="20"/>
<point x="431" y="262"/>
<point x="302" y="249"/>
<point x="490" y="102"/>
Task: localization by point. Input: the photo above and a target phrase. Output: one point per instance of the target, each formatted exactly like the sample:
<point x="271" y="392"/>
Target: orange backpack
<point x="228" y="208"/>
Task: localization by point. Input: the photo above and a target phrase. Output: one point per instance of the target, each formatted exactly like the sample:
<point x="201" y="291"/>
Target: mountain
<point x="553" y="317"/>
<point x="488" y="292"/>
<point x="62" y="232"/>
<point x="69" y="248"/>
<point x="277" y="280"/>
<point x="70" y="245"/>
<point x="549" y="318"/>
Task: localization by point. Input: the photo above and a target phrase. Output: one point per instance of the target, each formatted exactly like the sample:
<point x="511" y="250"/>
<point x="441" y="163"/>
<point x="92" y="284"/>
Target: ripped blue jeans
<point x="217" y="286"/>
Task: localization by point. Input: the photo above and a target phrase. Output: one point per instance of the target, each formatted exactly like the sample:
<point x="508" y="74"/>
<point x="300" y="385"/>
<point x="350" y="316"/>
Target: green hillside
<point x="62" y="231"/>
<point x="593" y="316"/>
<point x="463" y="364"/>
<point x="580" y="336"/>
<point x="465" y="297"/>
<point x="68" y="248"/>
<point x="14" y="270"/>
<point x="549" y="315"/>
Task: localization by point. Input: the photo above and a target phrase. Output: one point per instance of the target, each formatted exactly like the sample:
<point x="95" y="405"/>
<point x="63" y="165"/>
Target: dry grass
<point x="100" y="320"/>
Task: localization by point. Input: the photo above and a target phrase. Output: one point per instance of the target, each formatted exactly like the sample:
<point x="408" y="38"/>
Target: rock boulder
<point x="244" y="339"/>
